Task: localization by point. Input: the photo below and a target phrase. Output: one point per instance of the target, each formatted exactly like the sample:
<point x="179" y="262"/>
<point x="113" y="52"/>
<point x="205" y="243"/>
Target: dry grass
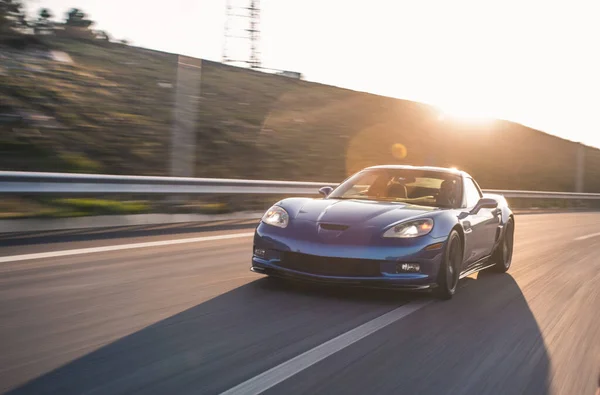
<point x="109" y="110"/>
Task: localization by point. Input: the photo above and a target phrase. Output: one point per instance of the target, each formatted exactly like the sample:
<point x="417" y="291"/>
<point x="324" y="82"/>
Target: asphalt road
<point x="191" y="318"/>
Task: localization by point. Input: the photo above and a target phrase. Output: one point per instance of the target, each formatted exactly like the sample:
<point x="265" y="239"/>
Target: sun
<point x="464" y="111"/>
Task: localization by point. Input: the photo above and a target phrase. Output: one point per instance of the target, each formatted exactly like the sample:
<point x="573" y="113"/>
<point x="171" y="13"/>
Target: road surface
<point x="190" y="318"/>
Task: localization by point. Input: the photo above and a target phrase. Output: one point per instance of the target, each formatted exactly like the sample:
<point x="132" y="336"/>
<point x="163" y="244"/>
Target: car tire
<point x="502" y="257"/>
<point x="449" y="273"/>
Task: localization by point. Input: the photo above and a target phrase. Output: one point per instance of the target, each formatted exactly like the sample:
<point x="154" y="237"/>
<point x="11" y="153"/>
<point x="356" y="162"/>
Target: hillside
<point x="111" y="111"/>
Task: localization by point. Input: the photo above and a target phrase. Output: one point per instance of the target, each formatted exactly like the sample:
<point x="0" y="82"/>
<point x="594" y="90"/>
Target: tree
<point x="45" y="14"/>
<point x="74" y="15"/>
<point x="77" y="18"/>
<point x="43" y="24"/>
<point x="12" y="15"/>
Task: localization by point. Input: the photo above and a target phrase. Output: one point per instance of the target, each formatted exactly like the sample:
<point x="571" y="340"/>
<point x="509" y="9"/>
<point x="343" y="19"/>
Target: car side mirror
<point x="484" y="203"/>
<point x="325" y="191"/>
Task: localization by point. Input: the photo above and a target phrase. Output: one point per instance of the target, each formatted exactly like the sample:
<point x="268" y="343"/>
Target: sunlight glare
<point x="464" y="112"/>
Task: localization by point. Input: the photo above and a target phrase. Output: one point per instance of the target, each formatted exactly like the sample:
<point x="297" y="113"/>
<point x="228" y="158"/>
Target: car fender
<point x="443" y="223"/>
<point x="293" y="205"/>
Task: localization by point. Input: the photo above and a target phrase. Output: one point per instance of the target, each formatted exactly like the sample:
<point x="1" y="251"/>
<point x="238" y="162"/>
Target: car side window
<point x="472" y="193"/>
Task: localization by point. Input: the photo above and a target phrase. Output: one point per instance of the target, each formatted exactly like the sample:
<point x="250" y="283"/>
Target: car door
<point x="479" y="228"/>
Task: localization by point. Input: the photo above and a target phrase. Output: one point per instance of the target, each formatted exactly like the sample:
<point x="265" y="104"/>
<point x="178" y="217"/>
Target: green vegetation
<point x="68" y="207"/>
<point x="100" y="206"/>
<point x="111" y="111"/>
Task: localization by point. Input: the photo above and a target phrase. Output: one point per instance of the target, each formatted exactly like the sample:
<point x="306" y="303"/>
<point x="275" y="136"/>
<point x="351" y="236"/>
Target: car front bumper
<point x="365" y="263"/>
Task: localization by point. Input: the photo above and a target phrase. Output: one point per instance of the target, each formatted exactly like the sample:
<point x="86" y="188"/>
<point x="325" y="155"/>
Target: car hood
<point x="367" y="213"/>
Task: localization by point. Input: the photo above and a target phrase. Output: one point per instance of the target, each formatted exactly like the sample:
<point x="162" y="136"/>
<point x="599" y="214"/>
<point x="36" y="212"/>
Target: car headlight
<point x="276" y="216"/>
<point x="416" y="228"/>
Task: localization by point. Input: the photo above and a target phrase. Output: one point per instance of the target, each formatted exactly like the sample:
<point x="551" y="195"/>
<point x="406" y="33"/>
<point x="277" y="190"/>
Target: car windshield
<point x="419" y="187"/>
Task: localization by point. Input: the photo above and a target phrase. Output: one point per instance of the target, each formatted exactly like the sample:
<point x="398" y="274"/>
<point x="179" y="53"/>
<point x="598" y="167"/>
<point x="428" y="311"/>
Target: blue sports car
<point x="407" y="227"/>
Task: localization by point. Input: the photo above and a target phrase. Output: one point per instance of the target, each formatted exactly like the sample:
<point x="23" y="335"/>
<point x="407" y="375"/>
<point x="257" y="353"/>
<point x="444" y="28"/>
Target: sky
<point x="528" y="61"/>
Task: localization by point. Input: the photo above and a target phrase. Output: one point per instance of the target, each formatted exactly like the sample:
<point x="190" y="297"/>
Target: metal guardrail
<point x="544" y="194"/>
<point x="15" y="182"/>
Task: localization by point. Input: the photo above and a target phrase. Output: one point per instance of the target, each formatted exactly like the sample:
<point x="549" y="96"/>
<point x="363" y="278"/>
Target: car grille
<point x="325" y="266"/>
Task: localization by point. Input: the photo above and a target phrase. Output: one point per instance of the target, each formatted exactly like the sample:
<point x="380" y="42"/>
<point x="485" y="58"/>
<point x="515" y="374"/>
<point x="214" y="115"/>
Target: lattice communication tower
<point x="242" y="33"/>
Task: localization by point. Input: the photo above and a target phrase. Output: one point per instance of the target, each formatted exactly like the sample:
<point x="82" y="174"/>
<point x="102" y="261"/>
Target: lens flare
<point x="399" y="151"/>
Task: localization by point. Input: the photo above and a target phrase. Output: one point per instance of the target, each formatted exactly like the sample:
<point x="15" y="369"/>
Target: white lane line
<point x="80" y="251"/>
<point x="276" y="375"/>
<point x="587" y="236"/>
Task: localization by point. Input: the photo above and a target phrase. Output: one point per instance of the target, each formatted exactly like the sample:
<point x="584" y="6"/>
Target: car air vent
<point x="334" y="227"/>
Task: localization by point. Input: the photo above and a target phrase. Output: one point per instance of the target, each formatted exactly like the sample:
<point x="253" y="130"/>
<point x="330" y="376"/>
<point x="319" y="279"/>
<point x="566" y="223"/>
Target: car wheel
<point x="502" y="257"/>
<point x="450" y="268"/>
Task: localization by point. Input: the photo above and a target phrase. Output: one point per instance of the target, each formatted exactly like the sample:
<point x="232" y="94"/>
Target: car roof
<point x="425" y="168"/>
